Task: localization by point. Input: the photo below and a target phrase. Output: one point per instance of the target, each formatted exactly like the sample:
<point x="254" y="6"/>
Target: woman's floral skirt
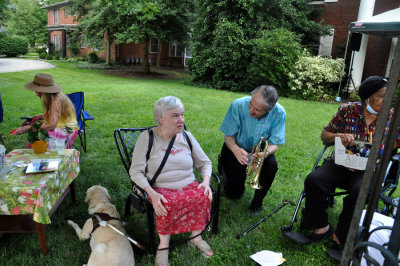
<point x="188" y="210"/>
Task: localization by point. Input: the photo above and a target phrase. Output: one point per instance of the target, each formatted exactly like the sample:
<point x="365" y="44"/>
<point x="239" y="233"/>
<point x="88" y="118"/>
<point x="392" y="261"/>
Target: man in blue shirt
<point x="247" y="120"/>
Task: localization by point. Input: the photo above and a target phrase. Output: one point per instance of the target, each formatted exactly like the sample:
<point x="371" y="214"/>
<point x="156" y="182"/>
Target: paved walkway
<point x="16" y="65"/>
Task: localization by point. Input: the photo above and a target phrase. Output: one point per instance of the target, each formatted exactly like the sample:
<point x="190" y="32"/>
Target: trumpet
<point x="253" y="170"/>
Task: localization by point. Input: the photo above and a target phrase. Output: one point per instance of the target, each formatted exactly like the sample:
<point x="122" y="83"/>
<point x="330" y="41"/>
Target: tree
<point x="161" y="19"/>
<point x="98" y="19"/>
<point x="139" y="26"/>
<point x="3" y="9"/>
<point x="27" y="19"/>
<point x="223" y="42"/>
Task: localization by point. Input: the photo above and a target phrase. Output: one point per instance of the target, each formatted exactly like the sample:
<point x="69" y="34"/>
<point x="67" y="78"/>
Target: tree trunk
<point x="159" y="54"/>
<point x="145" y="56"/>
<point x="109" y="39"/>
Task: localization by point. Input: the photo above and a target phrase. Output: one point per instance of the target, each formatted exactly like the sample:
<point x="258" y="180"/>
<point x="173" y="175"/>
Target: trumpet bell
<point x="253" y="170"/>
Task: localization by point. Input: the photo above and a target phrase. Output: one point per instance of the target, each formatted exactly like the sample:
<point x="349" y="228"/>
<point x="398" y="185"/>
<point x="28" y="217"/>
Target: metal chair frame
<point x="125" y="139"/>
<point x="78" y="99"/>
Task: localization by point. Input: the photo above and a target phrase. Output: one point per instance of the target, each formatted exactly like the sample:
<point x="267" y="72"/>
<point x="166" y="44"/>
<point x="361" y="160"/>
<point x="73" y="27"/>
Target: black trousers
<point x="234" y="175"/>
<point x="323" y="181"/>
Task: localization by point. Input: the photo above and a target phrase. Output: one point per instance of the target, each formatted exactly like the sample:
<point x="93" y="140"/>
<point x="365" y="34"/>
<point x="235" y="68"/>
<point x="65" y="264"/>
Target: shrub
<point x="313" y="77"/>
<point x="73" y="59"/>
<point x="49" y="57"/>
<point x="224" y="64"/>
<point x="40" y="50"/>
<point x="13" y="45"/>
<point x="43" y="55"/>
<point x="57" y="57"/>
<point x="52" y="48"/>
<point x="93" y="57"/>
<point x="75" y="50"/>
<point x="275" y="55"/>
<point x="87" y="65"/>
<point x="66" y="57"/>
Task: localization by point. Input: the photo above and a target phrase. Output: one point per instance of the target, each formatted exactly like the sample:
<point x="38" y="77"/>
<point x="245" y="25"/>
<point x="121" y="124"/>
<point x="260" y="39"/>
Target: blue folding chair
<point x="78" y="99"/>
<point x="1" y="118"/>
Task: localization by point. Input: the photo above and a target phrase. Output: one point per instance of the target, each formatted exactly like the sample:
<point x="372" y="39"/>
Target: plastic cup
<point x="53" y="144"/>
<point x="60" y="146"/>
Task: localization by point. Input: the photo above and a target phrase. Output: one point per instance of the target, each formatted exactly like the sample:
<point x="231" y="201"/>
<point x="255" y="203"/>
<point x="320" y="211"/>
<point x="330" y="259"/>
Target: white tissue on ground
<point x="268" y="258"/>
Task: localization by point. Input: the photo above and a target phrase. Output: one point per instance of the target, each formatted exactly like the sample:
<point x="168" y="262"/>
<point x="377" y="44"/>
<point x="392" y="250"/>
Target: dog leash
<point x="104" y="224"/>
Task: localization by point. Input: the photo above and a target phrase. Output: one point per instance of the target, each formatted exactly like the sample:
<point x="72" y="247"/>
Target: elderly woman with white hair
<point x="181" y="204"/>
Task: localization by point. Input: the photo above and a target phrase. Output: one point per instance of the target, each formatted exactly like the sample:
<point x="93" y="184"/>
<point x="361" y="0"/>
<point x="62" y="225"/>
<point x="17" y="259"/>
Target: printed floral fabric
<point x="35" y="194"/>
<point x="188" y="210"/>
<point x="349" y="119"/>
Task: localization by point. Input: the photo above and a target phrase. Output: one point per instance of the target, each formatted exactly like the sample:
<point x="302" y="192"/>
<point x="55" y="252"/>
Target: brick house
<point x="61" y="23"/>
<point x="339" y="14"/>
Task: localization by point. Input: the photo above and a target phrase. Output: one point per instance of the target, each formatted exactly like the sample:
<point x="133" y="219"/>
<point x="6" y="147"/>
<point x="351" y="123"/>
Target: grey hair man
<point x="247" y="120"/>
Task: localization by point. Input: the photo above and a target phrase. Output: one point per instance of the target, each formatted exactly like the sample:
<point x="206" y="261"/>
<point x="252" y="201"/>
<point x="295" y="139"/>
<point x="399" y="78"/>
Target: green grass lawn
<point x="117" y="101"/>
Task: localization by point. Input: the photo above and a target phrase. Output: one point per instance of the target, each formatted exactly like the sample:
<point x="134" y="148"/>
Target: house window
<point x="325" y="44"/>
<point x="154" y="45"/>
<point x="175" y="50"/>
<point x="188" y="54"/>
<point x="55" y="16"/>
<point x="67" y="11"/>
<point x="67" y="40"/>
<point x="56" y="41"/>
<point x="323" y="2"/>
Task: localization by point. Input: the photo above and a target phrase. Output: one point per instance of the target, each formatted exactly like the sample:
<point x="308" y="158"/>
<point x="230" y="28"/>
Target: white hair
<point x="164" y="104"/>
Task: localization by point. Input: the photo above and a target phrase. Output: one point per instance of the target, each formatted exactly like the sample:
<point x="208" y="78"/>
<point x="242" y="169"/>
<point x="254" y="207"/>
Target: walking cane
<point x="274" y="211"/>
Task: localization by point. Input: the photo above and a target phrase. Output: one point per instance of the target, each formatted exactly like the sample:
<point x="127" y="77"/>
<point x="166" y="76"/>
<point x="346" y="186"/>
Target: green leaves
<point x="313" y="77"/>
<point x="36" y="132"/>
<point x="27" y="19"/>
<point x="229" y="46"/>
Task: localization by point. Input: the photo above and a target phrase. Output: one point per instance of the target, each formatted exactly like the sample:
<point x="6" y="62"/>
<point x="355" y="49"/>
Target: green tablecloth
<point x="22" y="193"/>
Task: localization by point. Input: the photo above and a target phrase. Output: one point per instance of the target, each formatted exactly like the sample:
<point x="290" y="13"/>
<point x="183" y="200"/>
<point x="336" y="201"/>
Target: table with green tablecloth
<point x="27" y="201"/>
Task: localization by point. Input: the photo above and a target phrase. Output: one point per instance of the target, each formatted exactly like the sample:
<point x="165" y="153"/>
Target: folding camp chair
<point x="78" y="99"/>
<point x="125" y="139"/>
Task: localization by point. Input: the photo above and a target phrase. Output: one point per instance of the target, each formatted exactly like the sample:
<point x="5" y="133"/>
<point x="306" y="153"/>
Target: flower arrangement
<point x="35" y="132"/>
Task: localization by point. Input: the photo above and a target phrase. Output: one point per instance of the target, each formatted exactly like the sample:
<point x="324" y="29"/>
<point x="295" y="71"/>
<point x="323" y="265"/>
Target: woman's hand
<point x="157" y="199"/>
<point x="347" y="139"/>
<point x="206" y="185"/>
<point x="20" y="130"/>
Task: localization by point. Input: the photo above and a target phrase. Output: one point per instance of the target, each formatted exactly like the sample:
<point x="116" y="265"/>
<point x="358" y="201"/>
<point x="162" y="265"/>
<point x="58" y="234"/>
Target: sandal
<point x="203" y="246"/>
<point x="318" y="237"/>
<point x="162" y="257"/>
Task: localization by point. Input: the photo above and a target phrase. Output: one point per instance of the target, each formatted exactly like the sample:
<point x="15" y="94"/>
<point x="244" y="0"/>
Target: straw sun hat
<point x="43" y="83"/>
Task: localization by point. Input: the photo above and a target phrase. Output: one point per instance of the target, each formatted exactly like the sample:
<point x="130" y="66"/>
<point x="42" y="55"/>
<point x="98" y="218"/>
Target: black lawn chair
<point x="389" y="186"/>
<point x="78" y="99"/>
<point x="125" y="139"/>
<point x="325" y="154"/>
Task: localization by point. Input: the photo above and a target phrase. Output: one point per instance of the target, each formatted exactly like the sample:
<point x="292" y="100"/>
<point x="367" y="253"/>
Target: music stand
<point x="350" y="75"/>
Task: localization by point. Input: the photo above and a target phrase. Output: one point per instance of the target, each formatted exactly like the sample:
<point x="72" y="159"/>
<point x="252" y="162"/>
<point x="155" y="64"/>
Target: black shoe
<point x="336" y="246"/>
<point x="318" y="237"/>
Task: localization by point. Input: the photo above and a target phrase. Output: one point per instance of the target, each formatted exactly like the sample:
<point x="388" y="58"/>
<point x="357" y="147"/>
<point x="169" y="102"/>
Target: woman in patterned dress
<point x="181" y="204"/>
